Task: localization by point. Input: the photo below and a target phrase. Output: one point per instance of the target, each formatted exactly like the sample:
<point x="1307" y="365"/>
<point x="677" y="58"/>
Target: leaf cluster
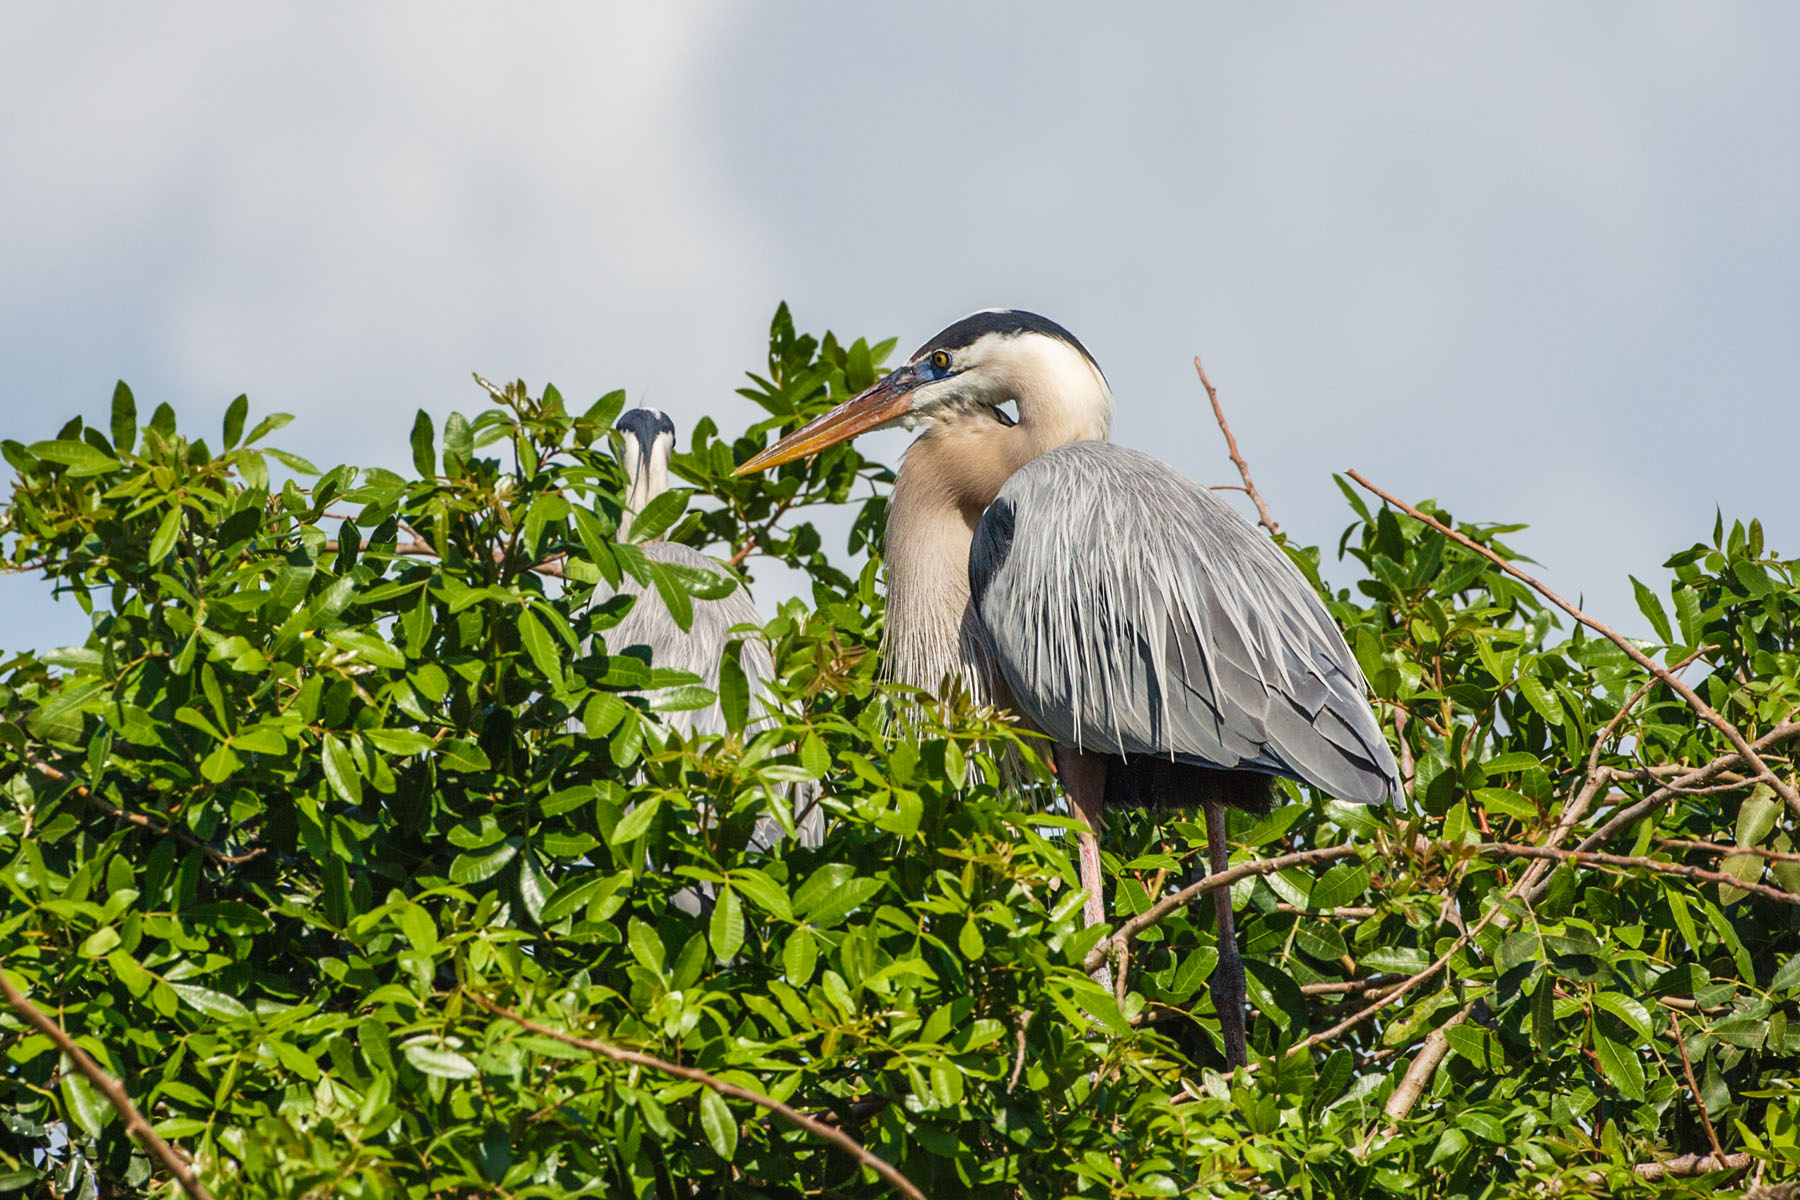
<point x="346" y="760"/>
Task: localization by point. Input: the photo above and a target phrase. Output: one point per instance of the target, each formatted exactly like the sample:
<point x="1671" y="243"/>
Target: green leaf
<point x="1652" y="609"/>
<point x="534" y="885"/>
<point x="540" y="646"/>
<point x="163" y="540"/>
<point x="213" y="1004"/>
<point x="433" y="1060"/>
<point x="721" y="1129"/>
<point x="459" y="443"/>
<point x="826" y="908"/>
<point x="734" y="689"/>
<point x="658" y="515"/>
<point x="460" y="754"/>
<point x="636" y="822"/>
<point x="424" y="449"/>
<point x="1340" y="885"/>
<point x="340" y="770"/>
<point x="674" y="597"/>
<point x="1502" y="802"/>
<point x="1620" y="1064"/>
<point x="235" y="412"/>
<point x="1629" y="1011"/>
<point x="473" y="868"/>
<point x="83" y="1102"/>
<point x="1542" y="699"/>
<point x="726" y="928"/>
<point x="124" y="419"/>
<point x="798" y="958"/>
<point x="399" y="741"/>
<point x="81" y="459"/>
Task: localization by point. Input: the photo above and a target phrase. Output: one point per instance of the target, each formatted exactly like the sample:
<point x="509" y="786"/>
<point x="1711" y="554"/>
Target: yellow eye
<point x="940" y="359"/>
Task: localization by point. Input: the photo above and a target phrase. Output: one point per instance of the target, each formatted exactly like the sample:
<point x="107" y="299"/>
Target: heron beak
<point x="886" y="401"/>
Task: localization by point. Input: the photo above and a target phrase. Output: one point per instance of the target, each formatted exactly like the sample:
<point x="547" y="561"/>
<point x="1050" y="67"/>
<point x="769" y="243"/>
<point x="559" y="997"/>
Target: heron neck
<point x="948" y="477"/>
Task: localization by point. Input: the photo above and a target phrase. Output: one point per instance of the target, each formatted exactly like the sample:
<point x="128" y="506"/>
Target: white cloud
<point x="1530" y="260"/>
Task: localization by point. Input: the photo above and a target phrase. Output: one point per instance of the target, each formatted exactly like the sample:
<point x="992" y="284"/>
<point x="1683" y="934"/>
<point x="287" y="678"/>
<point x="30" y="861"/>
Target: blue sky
<point x="1537" y="261"/>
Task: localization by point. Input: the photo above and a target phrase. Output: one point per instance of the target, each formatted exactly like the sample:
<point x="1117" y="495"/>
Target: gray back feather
<point x="1131" y="611"/>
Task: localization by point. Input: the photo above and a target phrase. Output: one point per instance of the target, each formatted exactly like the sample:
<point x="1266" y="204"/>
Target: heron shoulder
<point x="1132" y="611"/>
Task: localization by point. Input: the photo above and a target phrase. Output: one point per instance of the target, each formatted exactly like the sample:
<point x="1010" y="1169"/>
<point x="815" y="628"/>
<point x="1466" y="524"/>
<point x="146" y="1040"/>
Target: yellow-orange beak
<point x="886" y="401"/>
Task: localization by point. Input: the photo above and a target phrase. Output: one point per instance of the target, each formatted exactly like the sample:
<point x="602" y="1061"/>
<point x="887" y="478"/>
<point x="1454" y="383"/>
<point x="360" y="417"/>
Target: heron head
<point x="971" y="368"/>
<point x="649" y="438"/>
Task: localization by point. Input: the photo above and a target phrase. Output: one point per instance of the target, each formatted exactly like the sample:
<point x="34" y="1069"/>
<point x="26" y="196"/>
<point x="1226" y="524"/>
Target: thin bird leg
<point x="1228" y="976"/>
<point x="1084" y="778"/>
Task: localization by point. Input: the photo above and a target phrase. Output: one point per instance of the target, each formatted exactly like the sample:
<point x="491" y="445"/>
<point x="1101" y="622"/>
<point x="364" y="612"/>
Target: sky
<point x="1540" y="262"/>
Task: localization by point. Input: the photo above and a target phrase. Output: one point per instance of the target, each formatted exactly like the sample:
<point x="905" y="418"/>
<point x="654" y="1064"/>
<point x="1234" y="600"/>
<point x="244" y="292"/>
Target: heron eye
<point x="940" y="359"/>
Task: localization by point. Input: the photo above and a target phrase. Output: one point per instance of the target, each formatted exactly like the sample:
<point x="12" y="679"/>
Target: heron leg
<point x="1228" y="976"/>
<point x="1084" y="778"/>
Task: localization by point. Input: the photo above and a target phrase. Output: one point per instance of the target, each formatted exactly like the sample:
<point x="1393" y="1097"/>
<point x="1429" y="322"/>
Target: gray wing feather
<point x="649" y="625"/>
<point x="1131" y="611"/>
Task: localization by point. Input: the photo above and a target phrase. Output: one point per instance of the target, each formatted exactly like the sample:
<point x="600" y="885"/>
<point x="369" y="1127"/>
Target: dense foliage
<point x="344" y="763"/>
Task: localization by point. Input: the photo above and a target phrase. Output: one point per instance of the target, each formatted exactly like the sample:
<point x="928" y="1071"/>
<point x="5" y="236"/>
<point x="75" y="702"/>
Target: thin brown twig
<point x="1263" y="517"/>
<point x="1424" y="1065"/>
<point x="1018" y="1067"/>
<point x="417" y="548"/>
<point x="1343" y="912"/>
<point x="817" y="1128"/>
<point x="756" y="535"/>
<point x="1786" y="731"/>
<point x="1506" y="849"/>
<point x="1405" y="986"/>
<point x="1701" y="708"/>
<point x="1723" y="849"/>
<point x="1175" y="901"/>
<point x="1343" y="987"/>
<point x="111" y="1088"/>
<point x="1689" y="1165"/>
<point x="1687" y="1068"/>
<point x="142" y="821"/>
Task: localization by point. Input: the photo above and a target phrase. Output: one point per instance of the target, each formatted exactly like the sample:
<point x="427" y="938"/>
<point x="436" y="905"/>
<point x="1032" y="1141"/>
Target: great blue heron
<point x="649" y="438"/>
<point x="1173" y="654"/>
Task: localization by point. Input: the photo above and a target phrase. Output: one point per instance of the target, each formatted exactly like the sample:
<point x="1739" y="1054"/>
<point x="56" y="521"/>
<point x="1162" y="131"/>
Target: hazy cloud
<point x="1536" y="261"/>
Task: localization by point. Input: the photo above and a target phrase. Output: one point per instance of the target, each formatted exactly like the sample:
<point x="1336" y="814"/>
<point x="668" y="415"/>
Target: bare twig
<point x="1722" y="849"/>
<point x="112" y="1089"/>
<point x="756" y="535"/>
<point x="1348" y="987"/>
<point x="1701" y="708"/>
<point x="1405" y="986"/>
<point x="1179" y="900"/>
<point x="817" y="1128"/>
<point x="1343" y="912"/>
<point x="144" y="822"/>
<point x="1787" y="731"/>
<point x="1687" y="1068"/>
<point x="1690" y="1165"/>
<point x="1701" y="874"/>
<point x="418" y="548"/>
<point x="1231" y="447"/>
<point x="1018" y="1067"/>
<point x="1424" y="1065"/>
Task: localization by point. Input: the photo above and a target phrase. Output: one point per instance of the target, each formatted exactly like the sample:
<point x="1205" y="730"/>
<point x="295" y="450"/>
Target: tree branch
<point x="419" y="548"/>
<point x="1231" y="447"/>
<point x="1105" y="950"/>
<point x="1786" y="731"/>
<point x="112" y="1089"/>
<point x="1508" y="850"/>
<point x="142" y="821"/>
<point x="1687" y="1068"/>
<point x="817" y="1128"/>
<point x="1705" y="711"/>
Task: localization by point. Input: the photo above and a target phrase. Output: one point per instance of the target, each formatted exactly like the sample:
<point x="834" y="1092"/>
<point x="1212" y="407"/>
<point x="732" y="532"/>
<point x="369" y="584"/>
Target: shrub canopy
<point x="345" y="764"/>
